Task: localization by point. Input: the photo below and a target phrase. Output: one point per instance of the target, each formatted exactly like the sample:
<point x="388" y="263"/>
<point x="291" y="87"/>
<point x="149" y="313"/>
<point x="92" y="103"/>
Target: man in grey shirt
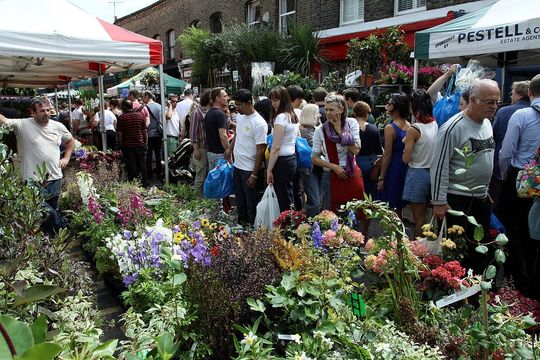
<point x="467" y="192"/>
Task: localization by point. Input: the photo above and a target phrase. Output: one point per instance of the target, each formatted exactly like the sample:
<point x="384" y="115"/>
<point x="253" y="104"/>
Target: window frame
<point x="341" y="8"/>
<point x="171" y="53"/>
<point x="284" y="15"/>
<point x="249" y="11"/>
<point x="414" y="8"/>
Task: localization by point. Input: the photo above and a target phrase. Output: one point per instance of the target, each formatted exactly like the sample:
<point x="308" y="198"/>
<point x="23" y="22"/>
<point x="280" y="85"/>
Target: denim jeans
<point x="283" y="172"/>
<point x="312" y="183"/>
<point x="326" y="189"/>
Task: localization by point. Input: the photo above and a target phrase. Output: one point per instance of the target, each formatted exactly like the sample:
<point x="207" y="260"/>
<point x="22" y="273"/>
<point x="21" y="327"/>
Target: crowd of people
<point x="469" y="163"/>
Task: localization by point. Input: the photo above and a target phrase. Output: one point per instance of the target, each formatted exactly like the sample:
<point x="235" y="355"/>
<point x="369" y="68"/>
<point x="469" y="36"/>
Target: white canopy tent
<point x="50" y="42"/>
<point x="506" y="32"/>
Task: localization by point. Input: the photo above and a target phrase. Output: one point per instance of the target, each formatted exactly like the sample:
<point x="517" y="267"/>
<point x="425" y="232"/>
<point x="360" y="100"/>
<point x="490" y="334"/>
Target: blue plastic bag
<point x="495" y="223"/>
<point x="448" y="105"/>
<point x="219" y="182"/>
<point x="303" y="153"/>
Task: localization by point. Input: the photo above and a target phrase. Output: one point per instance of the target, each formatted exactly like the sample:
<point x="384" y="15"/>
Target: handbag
<point x="267" y="209"/>
<point x="434" y="246"/>
<point x="376" y="169"/>
<point x="528" y="179"/>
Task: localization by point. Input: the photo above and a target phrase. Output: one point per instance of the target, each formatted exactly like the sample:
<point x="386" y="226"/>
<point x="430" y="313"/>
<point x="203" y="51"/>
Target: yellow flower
<point x="178" y="237"/>
<point x="205" y="222"/>
<point x="213" y="226"/>
<point x="447" y="243"/>
<point x="451" y="230"/>
<point x="426" y="227"/>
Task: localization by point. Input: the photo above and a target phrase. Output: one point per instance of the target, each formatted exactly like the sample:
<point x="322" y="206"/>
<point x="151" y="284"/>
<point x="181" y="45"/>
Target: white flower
<point x="302" y="356"/>
<point x="296" y="338"/>
<point x="249" y="339"/>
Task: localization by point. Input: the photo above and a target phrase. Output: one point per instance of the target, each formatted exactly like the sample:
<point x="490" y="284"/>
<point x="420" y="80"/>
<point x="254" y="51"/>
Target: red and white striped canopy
<point x="48" y="42"/>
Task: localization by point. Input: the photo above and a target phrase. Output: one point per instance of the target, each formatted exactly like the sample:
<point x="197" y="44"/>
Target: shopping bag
<point x="219" y="182"/>
<point x="434" y="246"/>
<point x="267" y="209"/>
<point x="448" y="105"/>
<point x="303" y="153"/>
<point x="528" y="179"/>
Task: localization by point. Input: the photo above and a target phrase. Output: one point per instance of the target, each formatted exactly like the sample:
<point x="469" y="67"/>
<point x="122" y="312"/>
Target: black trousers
<point x="513" y="212"/>
<point x="111" y="139"/>
<point x="135" y="166"/>
<point x="245" y="198"/>
<point x="481" y="210"/>
<point x="283" y="172"/>
<point x="154" y="150"/>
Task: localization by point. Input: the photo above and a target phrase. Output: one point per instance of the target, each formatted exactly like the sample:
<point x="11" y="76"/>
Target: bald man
<point x="471" y="130"/>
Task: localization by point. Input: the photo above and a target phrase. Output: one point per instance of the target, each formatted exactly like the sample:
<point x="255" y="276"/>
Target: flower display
<point x="86" y="188"/>
<point x="396" y="73"/>
<point x="131" y="213"/>
<point x="95" y="209"/>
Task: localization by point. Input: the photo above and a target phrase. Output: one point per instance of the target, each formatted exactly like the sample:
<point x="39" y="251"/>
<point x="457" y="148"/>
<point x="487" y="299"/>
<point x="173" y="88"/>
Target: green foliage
<point x="375" y="51"/>
<point x="307" y="83"/>
<point x="18" y="341"/>
<point x="301" y="49"/>
<point x="333" y="82"/>
<point x="194" y="41"/>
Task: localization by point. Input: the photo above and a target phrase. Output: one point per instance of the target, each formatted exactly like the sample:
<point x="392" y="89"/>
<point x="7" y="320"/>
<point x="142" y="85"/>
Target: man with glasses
<point x="520" y="100"/>
<point x="38" y="141"/>
<point x="471" y="132"/>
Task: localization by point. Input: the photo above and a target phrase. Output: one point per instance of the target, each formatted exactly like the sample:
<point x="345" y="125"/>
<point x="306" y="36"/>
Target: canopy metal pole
<point x="503" y="77"/>
<point x="415" y="79"/>
<point x="56" y="99"/>
<point x="69" y="107"/>
<point x="102" y="110"/>
<point x="164" y="123"/>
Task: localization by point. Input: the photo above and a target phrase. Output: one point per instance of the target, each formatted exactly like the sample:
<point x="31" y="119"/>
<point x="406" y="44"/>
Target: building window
<point x="352" y="11"/>
<point x="156" y="37"/>
<point x="171" y="42"/>
<point x="253" y="12"/>
<point x="407" y="6"/>
<point x="215" y="23"/>
<point x="287" y="11"/>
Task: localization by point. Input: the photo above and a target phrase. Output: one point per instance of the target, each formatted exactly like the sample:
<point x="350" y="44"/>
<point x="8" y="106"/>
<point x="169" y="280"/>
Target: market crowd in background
<point x="416" y="159"/>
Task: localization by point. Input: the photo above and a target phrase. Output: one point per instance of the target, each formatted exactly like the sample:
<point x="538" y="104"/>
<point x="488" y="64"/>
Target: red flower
<point x="214" y="251"/>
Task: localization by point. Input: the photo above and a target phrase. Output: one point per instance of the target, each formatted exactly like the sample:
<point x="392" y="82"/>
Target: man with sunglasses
<point x="451" y="188"/>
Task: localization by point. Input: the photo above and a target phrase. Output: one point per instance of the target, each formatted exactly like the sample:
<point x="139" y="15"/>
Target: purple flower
<point x="127" y="234"/>
<point x="176" y="229"/>
<point x="316" y="234"/>
<point x="197" y="224"/>
<point x="130" y="279"/>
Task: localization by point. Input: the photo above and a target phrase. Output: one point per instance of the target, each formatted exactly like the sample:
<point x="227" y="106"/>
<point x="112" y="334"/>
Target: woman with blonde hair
<point x="311" y="177"/>
<point x="282" y="162"/>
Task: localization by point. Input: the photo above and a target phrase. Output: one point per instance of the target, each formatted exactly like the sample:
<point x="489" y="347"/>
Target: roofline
<point x="139" y="11"/>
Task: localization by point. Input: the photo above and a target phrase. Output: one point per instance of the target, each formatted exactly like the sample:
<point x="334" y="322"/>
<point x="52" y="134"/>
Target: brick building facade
<point x="337" y="21"/>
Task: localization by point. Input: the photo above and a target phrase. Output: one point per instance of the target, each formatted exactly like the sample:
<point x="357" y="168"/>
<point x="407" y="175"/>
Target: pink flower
<point x="369" y="245"/>
<point x="328" y="236"/>
<point x="419" y="249"/>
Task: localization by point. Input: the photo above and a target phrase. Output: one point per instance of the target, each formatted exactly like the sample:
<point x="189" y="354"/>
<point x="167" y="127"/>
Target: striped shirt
<point x="132" y="125"/>
<point x="197" y="129"/>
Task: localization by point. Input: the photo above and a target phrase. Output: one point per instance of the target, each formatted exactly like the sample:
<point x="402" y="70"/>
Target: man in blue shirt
<point x="518" y="148"/>
<point x="520" y="100"/>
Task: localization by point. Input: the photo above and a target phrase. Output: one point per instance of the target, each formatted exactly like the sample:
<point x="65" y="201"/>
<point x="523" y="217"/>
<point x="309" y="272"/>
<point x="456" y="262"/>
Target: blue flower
<point x="352" y="218"/>
<point x="335" y="224"/>
<point x="127" y="234"/>
<point x="316" y="234"/>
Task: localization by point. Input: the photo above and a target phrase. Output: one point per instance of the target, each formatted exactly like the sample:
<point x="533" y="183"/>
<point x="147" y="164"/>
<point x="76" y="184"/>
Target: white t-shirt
<point x="110" y="119"/>
<point x="319" y="145"/>
<point x="250" y="132"/>
<point x="37" y="144"/>
<point x="173" y="125"/>
<point x="182" y="110"/>
<point x="289" y="137"/>
<point x="424" y="148"/>
<point x="77" y="114"/>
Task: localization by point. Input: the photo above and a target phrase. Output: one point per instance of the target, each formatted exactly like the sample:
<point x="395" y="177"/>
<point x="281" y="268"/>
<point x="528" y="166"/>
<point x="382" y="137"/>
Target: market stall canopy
<point x="50" y="42"/>
<point x="506" y="26"/>
<point x="172" y="85"/>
